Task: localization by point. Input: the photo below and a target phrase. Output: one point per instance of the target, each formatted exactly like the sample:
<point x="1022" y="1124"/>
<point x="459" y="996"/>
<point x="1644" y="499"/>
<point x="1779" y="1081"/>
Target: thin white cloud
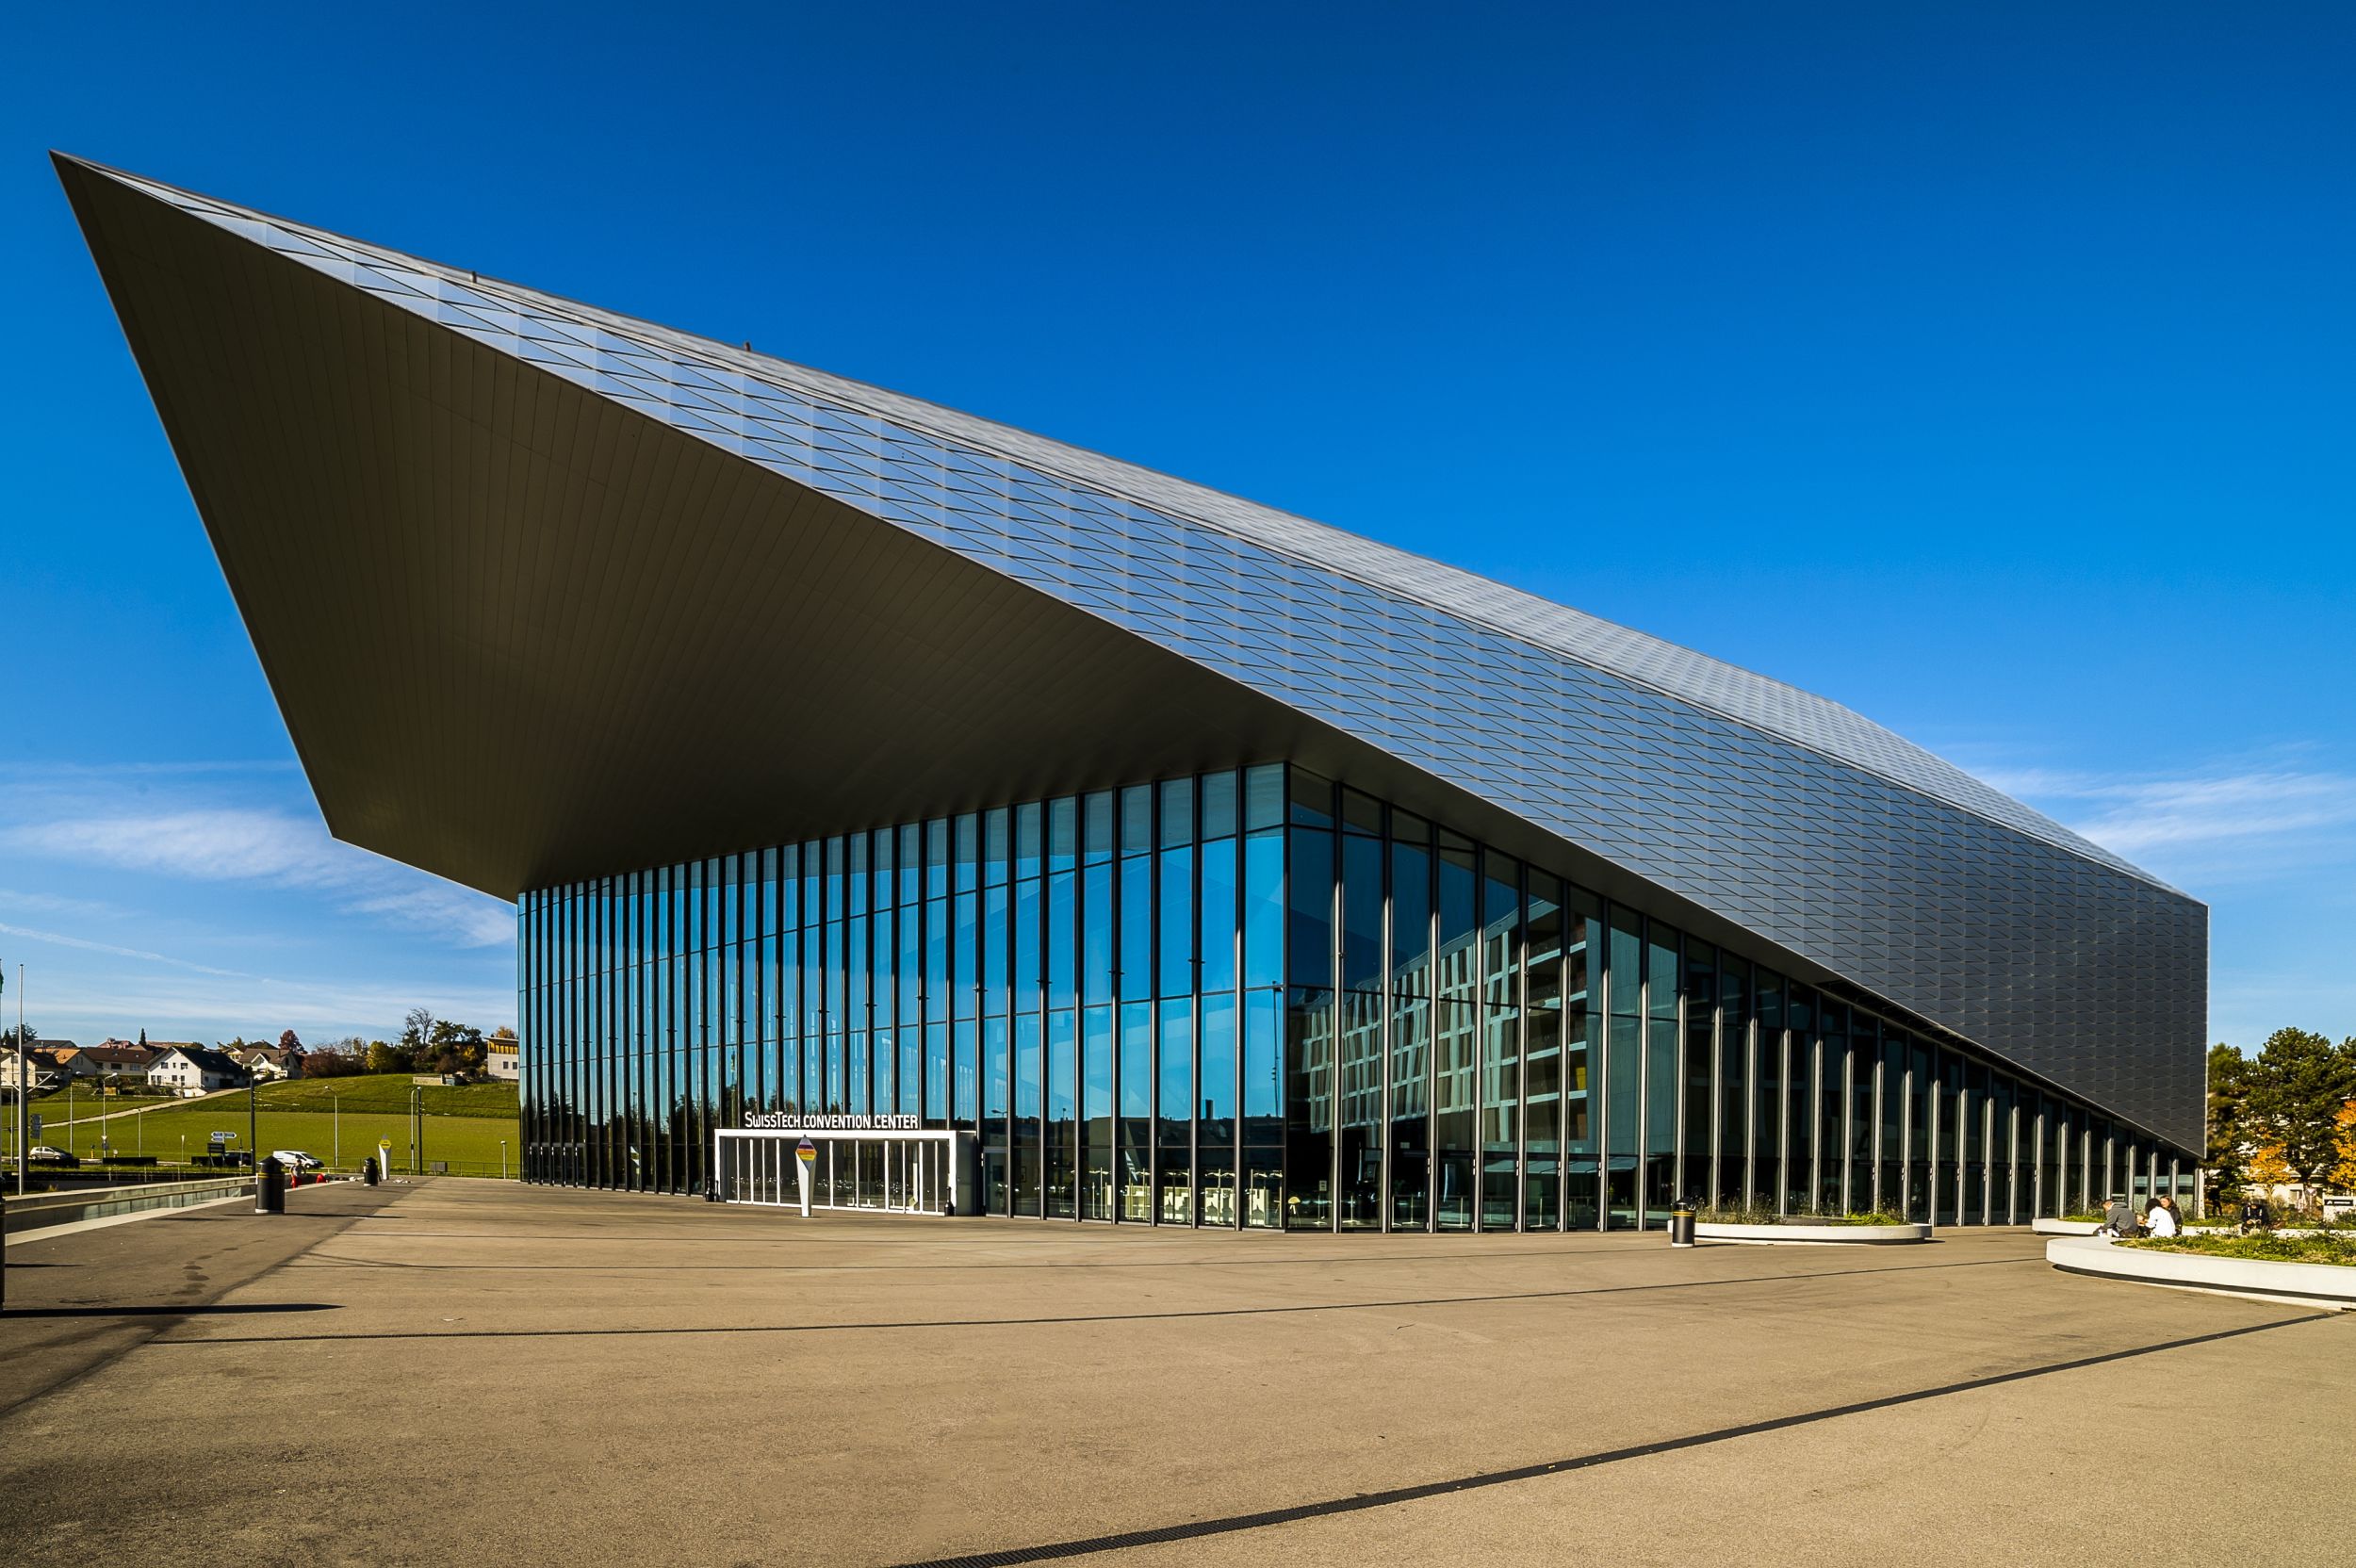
<point x="216" y="1007"/>
<point x="143" y="770"/>
<point x="84" y="945"/>
<point x="2221" y="811"/>
<point x="55" y="904"/>
<point x="274" y="848"/>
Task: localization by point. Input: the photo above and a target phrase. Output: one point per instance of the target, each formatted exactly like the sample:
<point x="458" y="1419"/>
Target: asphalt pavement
<point x="479" y="1372"/>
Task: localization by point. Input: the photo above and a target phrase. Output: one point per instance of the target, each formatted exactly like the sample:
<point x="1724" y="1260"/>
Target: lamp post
<point x="24" y="1088"/>
<point x="335" y="1120"/>
<point x="502" y="1159"/>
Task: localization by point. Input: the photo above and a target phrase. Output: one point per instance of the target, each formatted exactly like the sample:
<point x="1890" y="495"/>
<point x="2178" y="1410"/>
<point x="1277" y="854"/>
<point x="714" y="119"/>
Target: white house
<point x="500" y="1060"/>
<point x="40" y="1069"/>
<point x="270" y="1063"/>
<point x="189" y="1070"/>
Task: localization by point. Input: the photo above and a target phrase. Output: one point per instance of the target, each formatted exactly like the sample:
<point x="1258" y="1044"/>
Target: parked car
<point x="41" y="1153"/>
<point x="295" y="1159"/>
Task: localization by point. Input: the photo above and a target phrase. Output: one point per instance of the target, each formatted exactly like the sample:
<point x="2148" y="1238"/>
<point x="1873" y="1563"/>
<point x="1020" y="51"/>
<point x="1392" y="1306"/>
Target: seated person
<point x="2118" y="1220"/>
<point x="2161" y="1221"/>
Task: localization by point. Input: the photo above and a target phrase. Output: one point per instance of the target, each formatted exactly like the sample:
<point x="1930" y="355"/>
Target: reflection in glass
<point x="1154" y="1008"/>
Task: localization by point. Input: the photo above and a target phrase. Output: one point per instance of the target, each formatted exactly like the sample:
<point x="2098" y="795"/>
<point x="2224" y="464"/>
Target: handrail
<point x="41" y="1211"/>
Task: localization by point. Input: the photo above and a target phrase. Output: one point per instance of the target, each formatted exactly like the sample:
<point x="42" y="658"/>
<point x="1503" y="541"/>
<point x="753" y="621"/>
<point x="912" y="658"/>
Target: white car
<point x="295" y="1159"/>
<point x="42" y="1152"/>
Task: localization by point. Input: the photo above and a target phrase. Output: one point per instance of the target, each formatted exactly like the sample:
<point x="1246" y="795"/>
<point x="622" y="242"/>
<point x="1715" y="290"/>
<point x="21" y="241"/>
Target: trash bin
<point x="368" y="1171"/>
<point x="1681" y="1222"/>
<point x="270" y="1186"/>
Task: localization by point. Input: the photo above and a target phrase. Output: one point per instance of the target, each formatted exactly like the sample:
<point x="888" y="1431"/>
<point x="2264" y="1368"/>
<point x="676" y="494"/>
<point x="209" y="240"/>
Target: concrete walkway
<point x="476" y="1372"/>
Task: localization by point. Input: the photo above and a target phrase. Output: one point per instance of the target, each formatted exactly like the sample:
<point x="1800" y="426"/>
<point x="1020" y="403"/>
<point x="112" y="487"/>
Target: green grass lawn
<point x="339" y="1119"/>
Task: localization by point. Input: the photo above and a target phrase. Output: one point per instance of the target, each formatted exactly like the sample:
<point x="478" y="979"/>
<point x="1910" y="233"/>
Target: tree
<point x="383" y="1057"/>
<point x="341" y="1058"/>
<point x="9" y="1037"/>
<point x="2229" y="1089"/>
<point x="2344" y="1170"/>
<point x="289" y="1041"/>
<point x="2296" y="1090"/>
<point x="142" y="1040"/>
<point x="417" y="1030"/>
<point x="454" y="1048"/>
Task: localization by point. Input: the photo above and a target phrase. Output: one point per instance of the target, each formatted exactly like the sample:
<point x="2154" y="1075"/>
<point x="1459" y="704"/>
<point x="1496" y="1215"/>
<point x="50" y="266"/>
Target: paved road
<point x="510" y="1375"/>
<point x="76" y="1302"/>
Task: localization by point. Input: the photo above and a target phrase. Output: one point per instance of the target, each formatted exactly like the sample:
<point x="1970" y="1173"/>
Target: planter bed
<point x="2323" y="1285"/>
<point x="1803" y="1234"/>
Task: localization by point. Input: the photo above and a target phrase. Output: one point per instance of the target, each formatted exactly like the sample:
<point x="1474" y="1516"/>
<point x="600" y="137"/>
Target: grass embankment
<point x="339" y="1119"/>
<point x="2329" y="1247"/>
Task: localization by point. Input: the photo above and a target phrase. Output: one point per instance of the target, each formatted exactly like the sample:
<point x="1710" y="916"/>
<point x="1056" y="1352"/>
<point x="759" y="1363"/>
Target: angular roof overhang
<point x="522" y="634"/>
<point x="522" y="631"/>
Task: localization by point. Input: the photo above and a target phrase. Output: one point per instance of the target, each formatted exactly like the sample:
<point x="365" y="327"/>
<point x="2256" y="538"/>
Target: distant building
<point x="270" y="1063"/>
<point x="502" y="1061"/>
<point x="114" y="1056"/>
<point x="37" y="1067"/>
<point x="189" y="1070"/>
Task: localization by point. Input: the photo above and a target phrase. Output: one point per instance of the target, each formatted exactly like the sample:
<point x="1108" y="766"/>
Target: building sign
<point x="790" y="1121"/>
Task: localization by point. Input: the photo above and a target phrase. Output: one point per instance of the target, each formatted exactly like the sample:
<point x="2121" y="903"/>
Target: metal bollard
<point x="1681" y="1223"/>
<point x="270" y="1186"/>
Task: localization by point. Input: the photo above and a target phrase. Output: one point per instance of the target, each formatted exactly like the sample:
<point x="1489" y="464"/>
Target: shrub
<point x="1736" y="1214"/>
<point x="2332" y="1246"/>
<point x="1761" y="1214"/>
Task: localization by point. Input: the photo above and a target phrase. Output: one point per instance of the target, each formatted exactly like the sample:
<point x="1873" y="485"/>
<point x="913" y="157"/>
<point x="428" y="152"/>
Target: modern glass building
<point x="854" y="762"/>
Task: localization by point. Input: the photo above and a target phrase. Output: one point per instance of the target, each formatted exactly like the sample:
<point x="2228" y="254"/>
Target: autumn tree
<point x="2294" y="1093"/>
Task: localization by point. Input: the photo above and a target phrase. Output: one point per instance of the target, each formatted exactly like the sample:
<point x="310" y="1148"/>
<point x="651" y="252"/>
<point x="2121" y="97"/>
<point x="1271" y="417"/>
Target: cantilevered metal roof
<point x="524" y="317"/>
<point x="546" y="593"/>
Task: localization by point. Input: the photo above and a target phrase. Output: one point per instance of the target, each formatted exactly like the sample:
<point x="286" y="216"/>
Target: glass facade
<point x="1259" y="999"/>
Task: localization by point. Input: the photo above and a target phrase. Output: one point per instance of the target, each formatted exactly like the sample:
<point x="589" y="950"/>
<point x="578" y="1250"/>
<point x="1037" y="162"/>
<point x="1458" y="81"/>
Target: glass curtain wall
<point x="1258" y="999"/>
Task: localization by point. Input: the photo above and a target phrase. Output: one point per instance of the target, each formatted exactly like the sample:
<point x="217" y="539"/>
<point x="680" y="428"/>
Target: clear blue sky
<point x="1985" y="368"/>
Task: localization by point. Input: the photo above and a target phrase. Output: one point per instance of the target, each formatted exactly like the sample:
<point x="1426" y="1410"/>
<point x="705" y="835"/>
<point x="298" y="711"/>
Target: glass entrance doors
<point x="898" y="1172"/>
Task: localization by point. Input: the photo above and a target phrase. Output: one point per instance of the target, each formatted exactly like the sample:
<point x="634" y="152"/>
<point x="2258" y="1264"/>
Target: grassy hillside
<point x="389" y="1092"/>
<point x="339" y="1119"/>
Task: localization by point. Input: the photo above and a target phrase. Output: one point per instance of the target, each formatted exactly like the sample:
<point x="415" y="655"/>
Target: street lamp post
<point x="23" y="1089"/>
<point x="335" y="1120"/>
<point x="502" y="1159"/>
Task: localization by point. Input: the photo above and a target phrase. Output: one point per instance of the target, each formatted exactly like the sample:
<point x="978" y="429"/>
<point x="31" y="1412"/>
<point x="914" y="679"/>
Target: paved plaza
<point x="469" y="1372"/>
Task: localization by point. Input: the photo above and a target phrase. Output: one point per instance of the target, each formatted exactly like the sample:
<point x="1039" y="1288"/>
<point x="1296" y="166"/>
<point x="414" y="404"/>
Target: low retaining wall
<point x="1813" y="1236"/>
<point x="2325" y="1284"/>
<point x="43" y="1210"/>
<point x="2065" y="1227"/>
